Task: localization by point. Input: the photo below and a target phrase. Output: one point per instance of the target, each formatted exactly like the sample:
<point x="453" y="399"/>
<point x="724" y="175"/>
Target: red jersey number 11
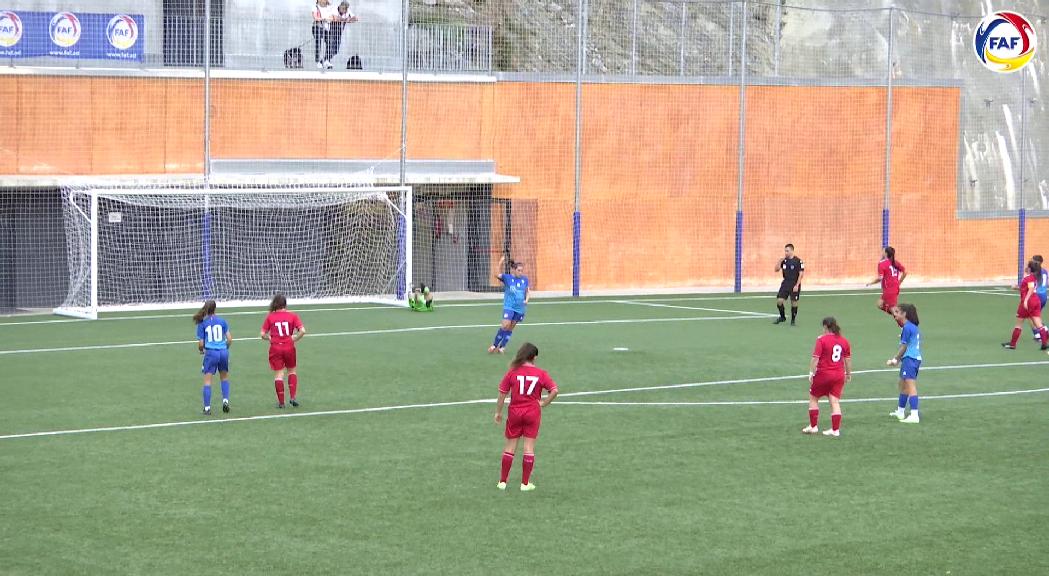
<point x="283" y="328"/>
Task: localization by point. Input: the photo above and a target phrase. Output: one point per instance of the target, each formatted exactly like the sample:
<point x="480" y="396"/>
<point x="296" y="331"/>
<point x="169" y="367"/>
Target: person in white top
<point x="342" y="17"/>
<point x="324" y="14"/>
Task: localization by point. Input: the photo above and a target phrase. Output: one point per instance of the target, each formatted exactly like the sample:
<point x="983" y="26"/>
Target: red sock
<point x="278" y="385"/>
<point x="508" y="461"/>
<point x="529" y="462"/>
<point x="1045" y="334"/>
<point x="835" y="421"/>
<point x="814" y="417"/>
<point x="1016" y="336"/>
<point x="293" y="385"/>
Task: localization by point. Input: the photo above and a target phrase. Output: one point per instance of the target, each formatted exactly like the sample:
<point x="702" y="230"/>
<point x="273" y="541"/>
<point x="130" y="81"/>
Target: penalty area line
<point x="221" y="420"/>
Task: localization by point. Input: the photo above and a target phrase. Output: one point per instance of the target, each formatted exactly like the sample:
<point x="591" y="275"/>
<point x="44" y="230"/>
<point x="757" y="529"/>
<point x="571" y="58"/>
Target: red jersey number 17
<point x="532" y="380"/>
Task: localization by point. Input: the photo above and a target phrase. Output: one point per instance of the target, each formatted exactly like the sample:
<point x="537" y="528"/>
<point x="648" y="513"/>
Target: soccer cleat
<point x="832" y="433"/>
<point x="492" y="349"/>
<point x="502" y="350"/>
<point x="225" y="406"/>
<point x="527" y="487"/>
<point x="912" y="418"/>
<point x="793" y="323"/>
<point x="779" y="320"/>
<point x="810" y="430"/>
<point x="1008" y="346"/>
<point x="280" y="406"/>
<point x="1045" y="347"/>
<point x="294" y="403"/>
<point x="898" y="414"/>
<point x="501" y="485"/>
<point x="207" y="410"/>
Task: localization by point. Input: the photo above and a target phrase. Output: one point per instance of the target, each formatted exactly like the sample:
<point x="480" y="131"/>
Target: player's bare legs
<point x="293" y="386"/>
<point x="835" y="417"/>
<point x="527" y="463"/>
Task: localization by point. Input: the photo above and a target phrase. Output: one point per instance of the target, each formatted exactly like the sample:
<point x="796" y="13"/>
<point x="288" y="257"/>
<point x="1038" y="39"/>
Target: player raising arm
<point x="793" y="270"/>
<point x="515" y="304"/>
<point x="1030" y="307"/>
<point x="283" y="329"/>
<point x="524" y="382"/>
<point x="213" y="341"/>
<point x="890" y="274"/>
<point x="909" y="357"/>
<point x="829" y="371"/>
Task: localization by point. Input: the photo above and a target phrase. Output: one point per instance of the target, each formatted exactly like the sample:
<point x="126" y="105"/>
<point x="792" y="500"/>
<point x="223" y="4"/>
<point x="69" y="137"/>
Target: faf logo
<point x="122" y="32"/>
<point x="64" y="29"/>
<point x="1004" y="41"/>
<point x="10" y="29"/>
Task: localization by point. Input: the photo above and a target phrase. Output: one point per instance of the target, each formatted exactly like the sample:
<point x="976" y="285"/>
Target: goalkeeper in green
<point x="421" y="299"/>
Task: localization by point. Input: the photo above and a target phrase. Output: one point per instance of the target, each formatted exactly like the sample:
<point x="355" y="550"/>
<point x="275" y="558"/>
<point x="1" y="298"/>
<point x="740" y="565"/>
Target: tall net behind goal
<point x="172" y="247"/>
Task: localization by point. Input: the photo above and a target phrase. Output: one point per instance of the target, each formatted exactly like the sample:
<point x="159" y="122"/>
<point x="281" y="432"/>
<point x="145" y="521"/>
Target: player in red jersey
<point x="283" y="329"/>
<point x="1030" y="307"/>
<point x="829" y="371"/>
<point x="890" y="274"/>
<point x="524" y="382"/>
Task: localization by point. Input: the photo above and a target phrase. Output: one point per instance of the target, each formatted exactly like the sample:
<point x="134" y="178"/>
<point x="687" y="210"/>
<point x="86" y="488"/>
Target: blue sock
<point x="903" y="401"/>
<point x="498" y="338"/>
<point x="506" y="338"/>
<point x="914" y="403"/>
<point x="207" y="395"/>
<point x="225" y="389"/>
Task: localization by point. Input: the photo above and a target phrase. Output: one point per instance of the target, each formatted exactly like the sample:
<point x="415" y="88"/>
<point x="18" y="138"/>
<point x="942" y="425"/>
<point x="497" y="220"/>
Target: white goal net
<point x="160" y="247"/>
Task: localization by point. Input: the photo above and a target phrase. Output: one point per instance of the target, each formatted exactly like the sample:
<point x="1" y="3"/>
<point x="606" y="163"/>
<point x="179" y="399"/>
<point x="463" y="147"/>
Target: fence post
<point x="633" y="42"/>
<point x="887" y="199"/>
<point x="738" y="284"/>
<point x="778" y="23"/>
<point x="576" y="216"/>
<point x="681" y="55"/>
<point x="1021" y="220"/>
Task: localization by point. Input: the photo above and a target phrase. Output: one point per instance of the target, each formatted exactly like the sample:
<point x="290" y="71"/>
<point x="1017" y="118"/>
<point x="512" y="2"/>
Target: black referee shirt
<point x="792" y="268"/>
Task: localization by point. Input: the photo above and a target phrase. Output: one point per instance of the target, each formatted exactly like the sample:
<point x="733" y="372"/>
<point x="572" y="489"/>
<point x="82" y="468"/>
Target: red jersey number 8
<point x="835" y="353"/>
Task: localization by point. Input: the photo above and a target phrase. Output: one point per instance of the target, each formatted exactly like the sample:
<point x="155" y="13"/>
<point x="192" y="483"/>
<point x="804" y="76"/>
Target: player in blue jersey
<point x="1041" y="291"/>
<point x="515" y="303"/>
<point x="213" y="341"/>
<point x="909" y="357"/>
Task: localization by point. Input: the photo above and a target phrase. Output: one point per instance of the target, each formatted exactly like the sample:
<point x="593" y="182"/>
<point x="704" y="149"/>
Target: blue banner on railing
<point x="72" y="35"/>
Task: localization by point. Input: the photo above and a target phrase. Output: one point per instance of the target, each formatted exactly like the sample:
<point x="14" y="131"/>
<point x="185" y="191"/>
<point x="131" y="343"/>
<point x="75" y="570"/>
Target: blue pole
<point x="206" y="254"/>
<point x="576" y="228"/>
<point x="885" y="227"/>
<point x="1021" y="237"/>
<point x="738" y="286"/>
<point x="401" y="256"/>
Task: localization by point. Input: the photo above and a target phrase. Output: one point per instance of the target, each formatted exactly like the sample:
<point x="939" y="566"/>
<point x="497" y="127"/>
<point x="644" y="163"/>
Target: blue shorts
<point x="215" y="361"/>
<point x="909" y="368"/>
<point x="1041" y="297"/>
<point x="512" y="316"/>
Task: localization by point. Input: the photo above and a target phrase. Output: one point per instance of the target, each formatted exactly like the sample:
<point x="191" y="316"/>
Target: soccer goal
<point x="171" y="247"/>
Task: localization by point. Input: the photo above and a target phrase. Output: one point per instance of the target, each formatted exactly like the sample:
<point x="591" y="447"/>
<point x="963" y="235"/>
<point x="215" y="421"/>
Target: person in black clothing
<point x="793" y="271"/>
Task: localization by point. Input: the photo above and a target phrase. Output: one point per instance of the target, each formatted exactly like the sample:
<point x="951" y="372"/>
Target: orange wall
<point x="659" y="165"/>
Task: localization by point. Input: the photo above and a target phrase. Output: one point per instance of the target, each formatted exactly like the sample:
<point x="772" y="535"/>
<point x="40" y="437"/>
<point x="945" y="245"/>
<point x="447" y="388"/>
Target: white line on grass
<point x="658" y="305"/>
<point x="493" y="303"/>
<point x="1009" y="293"/>
<point x="382" y="331"/>
<point x="565" y="395"/>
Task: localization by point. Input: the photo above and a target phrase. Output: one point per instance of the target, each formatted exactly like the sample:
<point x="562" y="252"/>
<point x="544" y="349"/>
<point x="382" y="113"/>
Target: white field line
<point x="312" y="335"/>
<point x="494" y="304"/>
<point x="658" y="305"/>
<point x="220" y="420"/>
<point x="1009" y="293"/>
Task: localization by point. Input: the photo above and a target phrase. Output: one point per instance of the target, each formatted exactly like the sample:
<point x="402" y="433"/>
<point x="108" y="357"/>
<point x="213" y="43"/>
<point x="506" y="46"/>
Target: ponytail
<point x="831" y="324"/>
<point x="526" y="353"/>
<point x="1036" y="269"/>
<point x="891" y="253"/>
<point x="207" y="310"/>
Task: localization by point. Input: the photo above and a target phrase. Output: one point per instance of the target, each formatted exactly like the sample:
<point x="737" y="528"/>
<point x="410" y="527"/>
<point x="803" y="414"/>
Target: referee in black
<point x="793" y="271"/>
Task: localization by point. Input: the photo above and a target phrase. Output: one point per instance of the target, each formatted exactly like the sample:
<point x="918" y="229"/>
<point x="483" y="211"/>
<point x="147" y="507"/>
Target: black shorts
<point x="785" y="291"/>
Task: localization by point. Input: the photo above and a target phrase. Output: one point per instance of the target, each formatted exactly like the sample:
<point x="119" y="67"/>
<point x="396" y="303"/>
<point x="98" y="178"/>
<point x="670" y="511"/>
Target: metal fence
<point x="902" y="67"/>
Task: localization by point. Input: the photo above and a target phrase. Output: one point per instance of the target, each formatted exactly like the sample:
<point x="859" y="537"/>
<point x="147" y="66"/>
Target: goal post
<point x="172" y="247"/>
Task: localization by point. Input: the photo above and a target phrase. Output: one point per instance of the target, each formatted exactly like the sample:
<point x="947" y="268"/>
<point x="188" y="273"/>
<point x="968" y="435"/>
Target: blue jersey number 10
<point x="214" y="333"/>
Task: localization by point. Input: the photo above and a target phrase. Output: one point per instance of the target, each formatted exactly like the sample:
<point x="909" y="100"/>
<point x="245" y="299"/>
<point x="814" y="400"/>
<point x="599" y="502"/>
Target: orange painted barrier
<point x="659" y="164"/>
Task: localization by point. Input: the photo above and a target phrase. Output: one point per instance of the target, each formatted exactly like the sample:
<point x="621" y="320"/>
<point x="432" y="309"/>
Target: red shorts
<point x="282" y="357"/>
<point x="827" y="383"/>
<point x="1033" y="310"/>
<point x="523" y="422"/>
<point x="889" y="299"/>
